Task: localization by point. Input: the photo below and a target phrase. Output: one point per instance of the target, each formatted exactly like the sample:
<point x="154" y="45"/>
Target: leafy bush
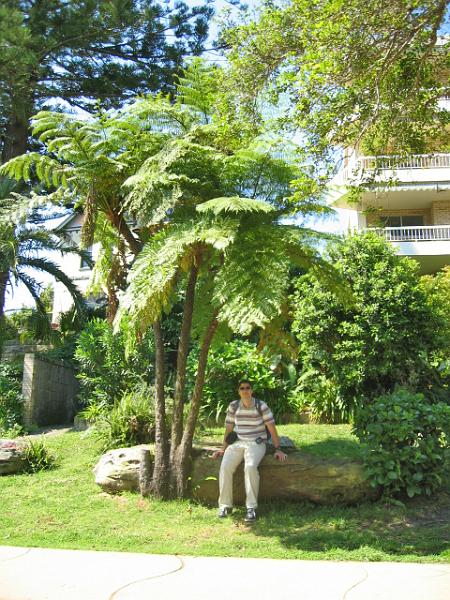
<point x="11" y="399"/>
<point x="129" y="422"/>
<point x="406" y="439"/>
<point x="317" y="395"/>
<point x="105" y="372"/>
<point x="38" y="457"/>
<point x="384" y="335"/>
<point x="237" y="360"/>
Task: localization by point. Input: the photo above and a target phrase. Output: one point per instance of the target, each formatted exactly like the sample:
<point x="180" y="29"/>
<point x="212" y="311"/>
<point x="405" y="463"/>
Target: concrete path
<point x="38" y="574"/>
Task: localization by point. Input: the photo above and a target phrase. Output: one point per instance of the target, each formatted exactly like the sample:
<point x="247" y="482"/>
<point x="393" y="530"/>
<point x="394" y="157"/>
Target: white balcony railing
<point x="414" y="161"/>
<point x="423" y="233"/>
<point x="416" y="167"/>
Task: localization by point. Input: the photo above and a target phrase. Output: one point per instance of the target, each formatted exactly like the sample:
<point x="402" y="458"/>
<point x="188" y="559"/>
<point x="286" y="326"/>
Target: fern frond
<point x="234" y="204"/>
<point x="197" y="87"/>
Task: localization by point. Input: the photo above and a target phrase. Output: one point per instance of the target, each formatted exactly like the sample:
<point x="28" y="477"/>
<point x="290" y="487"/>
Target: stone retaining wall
<point x="50" y="389"/>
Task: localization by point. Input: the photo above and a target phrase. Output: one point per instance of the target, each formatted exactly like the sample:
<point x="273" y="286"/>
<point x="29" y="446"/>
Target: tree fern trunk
<point x="181" y="462"/>
<point x="160" y="480"/>
<point x="183" y="348"/>
<point x="121" y="225"/>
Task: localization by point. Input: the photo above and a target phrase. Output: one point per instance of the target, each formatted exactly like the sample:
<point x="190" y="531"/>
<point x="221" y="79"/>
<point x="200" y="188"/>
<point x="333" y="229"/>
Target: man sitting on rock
<point x="249" y="418"/>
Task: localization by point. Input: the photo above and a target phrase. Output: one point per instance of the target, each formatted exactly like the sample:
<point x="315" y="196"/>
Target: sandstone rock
<point x="12" y="457"/>
<point x="301" y="477"/>
<point x="118" y="470"/>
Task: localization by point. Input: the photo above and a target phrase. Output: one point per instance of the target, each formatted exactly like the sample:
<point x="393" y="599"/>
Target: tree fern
<point x="153" y="276"/>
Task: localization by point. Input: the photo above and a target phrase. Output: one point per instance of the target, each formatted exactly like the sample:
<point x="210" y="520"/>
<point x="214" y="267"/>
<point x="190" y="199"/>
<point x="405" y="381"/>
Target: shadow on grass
<point x="420" y="528"/>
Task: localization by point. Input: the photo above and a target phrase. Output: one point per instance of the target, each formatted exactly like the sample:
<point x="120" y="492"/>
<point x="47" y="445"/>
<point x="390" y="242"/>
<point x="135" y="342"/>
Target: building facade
<point x="405" y="199"/>
<point x="73" y="266"/>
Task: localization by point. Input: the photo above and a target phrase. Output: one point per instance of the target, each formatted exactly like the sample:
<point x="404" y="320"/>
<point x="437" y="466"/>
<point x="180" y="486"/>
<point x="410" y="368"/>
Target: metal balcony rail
<point x="422" y="233"/>
<point x="414" y="161"/>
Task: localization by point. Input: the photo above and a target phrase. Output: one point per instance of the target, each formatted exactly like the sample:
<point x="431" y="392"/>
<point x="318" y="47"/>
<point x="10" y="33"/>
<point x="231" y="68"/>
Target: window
<point x="403" y="221"/>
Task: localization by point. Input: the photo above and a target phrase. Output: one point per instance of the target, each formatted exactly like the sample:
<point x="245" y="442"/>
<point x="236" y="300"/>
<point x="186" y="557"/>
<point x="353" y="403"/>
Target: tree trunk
<point x="180" y="465"/>
<point x="16" y="138"/>
<point x="160" y="481"/>
<point x="3" y="283"/>
<point x="121" y="225"/>
<point x="183" y="348"/>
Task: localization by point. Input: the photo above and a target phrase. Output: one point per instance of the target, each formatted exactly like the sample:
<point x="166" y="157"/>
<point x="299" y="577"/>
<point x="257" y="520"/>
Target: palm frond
<point x="48" y="170"/>
<point x="47" y="266"/>
<point x="35" y="288"/>
<point x="252" y="283"/>
<point x="197" y="87"/>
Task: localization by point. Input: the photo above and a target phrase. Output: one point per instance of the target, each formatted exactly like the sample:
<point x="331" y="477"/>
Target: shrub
<point x="406" y="439"/>
<point x="237" y="360"/>
<point x="11" y="399"/>
<point x="129" y="422"/>
<point x="38" y="457"/>
<point x="317" y="395"/>
<point x="106" y="372"/>
<point x="384" y="335"/>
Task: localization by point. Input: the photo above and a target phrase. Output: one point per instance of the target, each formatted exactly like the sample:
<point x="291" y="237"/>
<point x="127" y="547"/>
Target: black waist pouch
<point x="231" y="438"/>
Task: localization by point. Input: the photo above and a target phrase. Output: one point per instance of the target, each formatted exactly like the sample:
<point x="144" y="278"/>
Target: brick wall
<point x="440" y="212"/>
<point x="50" y="389"/>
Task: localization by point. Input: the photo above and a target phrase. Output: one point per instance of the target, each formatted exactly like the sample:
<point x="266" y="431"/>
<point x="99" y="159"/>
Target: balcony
<point x="416" y="168"/>
<point x="422" y="233"/>
<point x="429" y="245"/>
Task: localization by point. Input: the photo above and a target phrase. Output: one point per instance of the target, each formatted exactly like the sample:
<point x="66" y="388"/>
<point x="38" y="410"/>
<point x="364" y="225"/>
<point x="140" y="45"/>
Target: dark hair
<point x="245" y="381"/>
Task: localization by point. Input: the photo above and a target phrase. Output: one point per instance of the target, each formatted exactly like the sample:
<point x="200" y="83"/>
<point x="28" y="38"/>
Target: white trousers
<point x="252" y="454"/>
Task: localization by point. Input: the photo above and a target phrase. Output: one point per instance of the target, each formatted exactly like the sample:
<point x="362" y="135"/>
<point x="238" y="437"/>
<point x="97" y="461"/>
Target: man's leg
<point x="254" y="453"/>
<point x="231" y="459"/>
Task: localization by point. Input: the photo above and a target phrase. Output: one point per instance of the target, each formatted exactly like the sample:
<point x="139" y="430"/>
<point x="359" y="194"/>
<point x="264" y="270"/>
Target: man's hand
<point x="280" y="455"/>
<point x="218" y="453"/>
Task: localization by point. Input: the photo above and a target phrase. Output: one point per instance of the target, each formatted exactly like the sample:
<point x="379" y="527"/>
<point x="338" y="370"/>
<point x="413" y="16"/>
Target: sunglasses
<point x="245" y="387"/>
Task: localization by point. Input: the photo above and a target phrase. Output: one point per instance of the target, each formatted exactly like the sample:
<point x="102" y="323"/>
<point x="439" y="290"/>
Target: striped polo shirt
<point x="248" y="423"/>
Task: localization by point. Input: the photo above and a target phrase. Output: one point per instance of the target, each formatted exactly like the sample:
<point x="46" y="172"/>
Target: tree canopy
<point x="84" y="52"/>
<point x="356" y="72"/>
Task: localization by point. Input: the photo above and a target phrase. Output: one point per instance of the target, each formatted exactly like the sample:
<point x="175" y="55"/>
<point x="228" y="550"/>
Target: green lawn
<point x="63" y="508"/>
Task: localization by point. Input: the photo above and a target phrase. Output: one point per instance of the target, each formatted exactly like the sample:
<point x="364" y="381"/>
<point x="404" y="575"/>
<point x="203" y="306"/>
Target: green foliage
<point x="229" y="363"/>
<point x="437" y="290"/>
<point x="11" y="399"/>
<point x="406" y="441"/>
<point x="9" y="328"/>
<point x="316" y="395"/>
<point x="129" y="422"/>
<point x="384" y="335"/>
<point x="105" y="372"/>
<point x="125" y="50"/>
<point x="356" y="70"/>
<point x="23" y="248"/>
<point x="38" y="457"/>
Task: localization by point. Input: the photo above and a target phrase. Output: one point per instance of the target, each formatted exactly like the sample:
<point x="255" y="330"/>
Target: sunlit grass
<point x="63" y="508"/>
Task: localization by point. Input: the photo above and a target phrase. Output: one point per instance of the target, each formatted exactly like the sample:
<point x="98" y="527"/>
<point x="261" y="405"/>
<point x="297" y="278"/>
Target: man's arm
<point x="228" y="429"/>
<point x="279" y="454"/>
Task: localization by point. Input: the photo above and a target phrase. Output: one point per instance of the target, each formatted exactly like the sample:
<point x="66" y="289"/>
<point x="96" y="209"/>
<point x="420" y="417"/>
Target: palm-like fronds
<point x="234" y="204"/>
<point x="51" y="268"/>
<point x="153" y="276"/>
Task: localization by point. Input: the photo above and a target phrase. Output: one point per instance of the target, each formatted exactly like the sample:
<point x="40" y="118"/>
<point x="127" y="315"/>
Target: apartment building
<point x="406" y="199"/>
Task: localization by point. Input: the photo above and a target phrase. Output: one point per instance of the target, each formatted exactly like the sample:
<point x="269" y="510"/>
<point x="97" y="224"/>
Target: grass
<point x="63" y="508"/>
